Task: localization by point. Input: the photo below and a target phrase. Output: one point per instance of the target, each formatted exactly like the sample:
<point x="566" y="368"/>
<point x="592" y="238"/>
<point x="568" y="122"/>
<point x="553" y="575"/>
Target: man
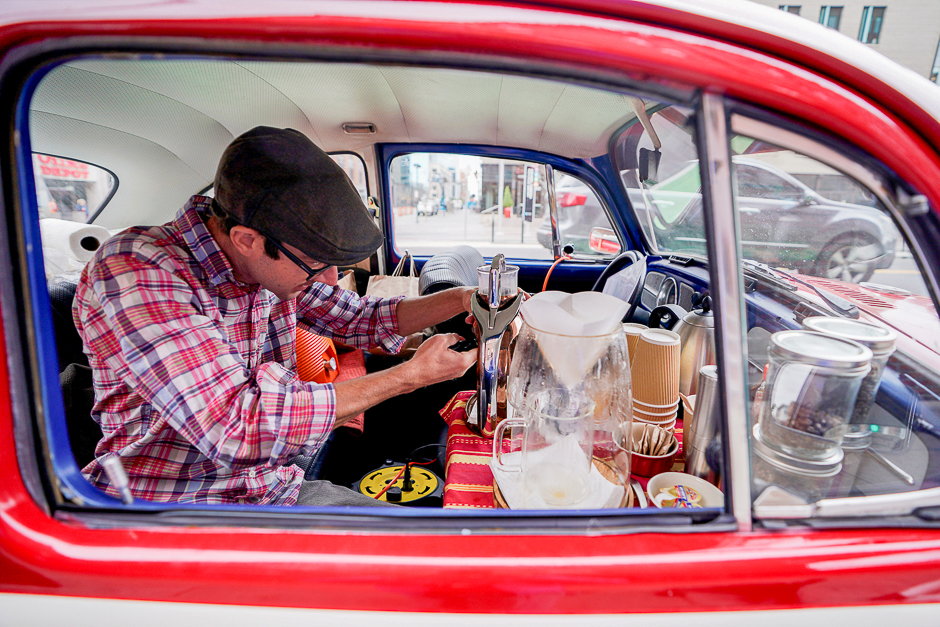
<point x="190" y="331"/>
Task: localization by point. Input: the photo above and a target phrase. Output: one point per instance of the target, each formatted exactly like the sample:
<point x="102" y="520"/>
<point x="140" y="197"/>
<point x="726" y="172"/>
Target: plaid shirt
<point x="194" y="372"/>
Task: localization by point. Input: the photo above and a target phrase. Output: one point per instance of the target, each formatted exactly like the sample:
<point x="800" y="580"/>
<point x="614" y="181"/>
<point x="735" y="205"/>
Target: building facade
<point x="906" y="31"/>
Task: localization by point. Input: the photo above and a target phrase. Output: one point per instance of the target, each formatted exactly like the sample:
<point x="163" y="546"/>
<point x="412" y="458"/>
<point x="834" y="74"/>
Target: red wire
<point x="392" y="482"/>
<point x="400" y="473"/>
<point x="549" y="273"/>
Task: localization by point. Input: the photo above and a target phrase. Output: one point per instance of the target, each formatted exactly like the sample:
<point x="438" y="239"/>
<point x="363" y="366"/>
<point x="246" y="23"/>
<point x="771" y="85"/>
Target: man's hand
<point x="434" y="361"/>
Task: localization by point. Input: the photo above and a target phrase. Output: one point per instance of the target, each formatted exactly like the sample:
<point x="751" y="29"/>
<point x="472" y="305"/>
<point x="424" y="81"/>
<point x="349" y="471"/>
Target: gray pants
<point x="320" y="493"/>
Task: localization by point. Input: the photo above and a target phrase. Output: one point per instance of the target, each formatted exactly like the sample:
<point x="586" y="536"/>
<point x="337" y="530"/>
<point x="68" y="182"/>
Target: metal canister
<point x="812" y="384"/>
<point x="811" y="480"/>
<point x="703" y="426"/>
<point x="856" y="441"/>
<point x="880" y="340"/>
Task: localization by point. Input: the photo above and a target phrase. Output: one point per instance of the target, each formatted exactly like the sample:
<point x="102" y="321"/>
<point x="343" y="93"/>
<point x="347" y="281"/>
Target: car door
<point x="66" y="546"/>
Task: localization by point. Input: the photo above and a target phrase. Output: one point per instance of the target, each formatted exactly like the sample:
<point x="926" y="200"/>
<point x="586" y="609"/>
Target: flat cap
<point x="281" y="184"/>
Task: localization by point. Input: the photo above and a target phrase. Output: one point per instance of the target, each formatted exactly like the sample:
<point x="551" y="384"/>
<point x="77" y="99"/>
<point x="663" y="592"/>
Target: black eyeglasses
<point x="311" y="273"/>
<point x="220" y="211"/>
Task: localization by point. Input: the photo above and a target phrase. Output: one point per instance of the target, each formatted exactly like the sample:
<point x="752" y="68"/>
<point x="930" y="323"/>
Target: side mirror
<point x="604" y="240"/>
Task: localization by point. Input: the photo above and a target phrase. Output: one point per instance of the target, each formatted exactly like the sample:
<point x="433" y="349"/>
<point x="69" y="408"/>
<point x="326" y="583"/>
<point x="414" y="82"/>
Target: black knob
<point x="393" y="495"/>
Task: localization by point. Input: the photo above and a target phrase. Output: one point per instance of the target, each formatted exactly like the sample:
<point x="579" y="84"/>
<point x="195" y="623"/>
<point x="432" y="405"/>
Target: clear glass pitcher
<point x="564" y="458"/>
<point x="557" y="449"/>
<point x="597" y="367"/>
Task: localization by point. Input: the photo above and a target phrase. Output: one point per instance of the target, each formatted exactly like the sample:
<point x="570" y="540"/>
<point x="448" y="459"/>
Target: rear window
<point x="69" y="189"/>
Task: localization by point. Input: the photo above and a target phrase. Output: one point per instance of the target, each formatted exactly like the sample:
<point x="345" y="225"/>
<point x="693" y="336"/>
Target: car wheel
<point x="851" y="258"/>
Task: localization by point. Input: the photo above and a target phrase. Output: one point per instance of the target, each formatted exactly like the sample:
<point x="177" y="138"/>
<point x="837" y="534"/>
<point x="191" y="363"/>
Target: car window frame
<point x="718" y="212"/>
<point x="608" y="211"/>
<point x="56" y="481"/>
<point x="111" y="192"/>
<point x="386" y="152"/>
<point x="365" y="168"/>
<point x="745" y="120"/>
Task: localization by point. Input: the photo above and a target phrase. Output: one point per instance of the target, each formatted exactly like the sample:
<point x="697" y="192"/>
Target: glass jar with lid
<point x="813" y="381"/>
<point x="879" y="339"/>
<point x="811" y="480"/>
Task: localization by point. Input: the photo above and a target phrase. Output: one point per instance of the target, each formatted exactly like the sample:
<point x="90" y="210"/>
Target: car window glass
<point x="755" y="182"/>
<point x="663" y="184"/>
<point x="442" y="200"/>
<point x="70" y="190"/>
<point x="580" y="212"/>
<point x="833" y="416"/>
<point x="355" y="169"/>
<point x="787" y="223"/>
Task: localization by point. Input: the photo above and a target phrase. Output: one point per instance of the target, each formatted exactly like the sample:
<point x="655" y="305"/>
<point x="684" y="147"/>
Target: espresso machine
<point x="495" y="307"/>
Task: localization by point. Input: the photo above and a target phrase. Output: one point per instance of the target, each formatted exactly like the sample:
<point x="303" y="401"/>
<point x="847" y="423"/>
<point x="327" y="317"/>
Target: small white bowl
<point x="711" y="496"/>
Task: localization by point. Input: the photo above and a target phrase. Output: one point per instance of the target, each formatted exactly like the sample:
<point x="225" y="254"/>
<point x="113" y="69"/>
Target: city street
<point x="489" y="233"/>
<point x="492" y="233"/>
<point x="903" y="273"/>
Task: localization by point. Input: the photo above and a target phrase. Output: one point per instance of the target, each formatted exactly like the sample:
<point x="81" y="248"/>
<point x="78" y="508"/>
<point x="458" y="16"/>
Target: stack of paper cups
<point x="655" y="372"/>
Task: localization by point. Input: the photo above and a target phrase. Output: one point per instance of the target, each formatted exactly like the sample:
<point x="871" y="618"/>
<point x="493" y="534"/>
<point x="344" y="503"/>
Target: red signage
<point x="57" y="168"/>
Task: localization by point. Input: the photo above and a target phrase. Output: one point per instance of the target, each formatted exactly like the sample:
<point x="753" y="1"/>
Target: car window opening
<point x="600" y="391"/>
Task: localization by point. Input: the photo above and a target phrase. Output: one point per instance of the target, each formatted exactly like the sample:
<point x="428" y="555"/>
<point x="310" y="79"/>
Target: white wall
<point x="909" y="35"/>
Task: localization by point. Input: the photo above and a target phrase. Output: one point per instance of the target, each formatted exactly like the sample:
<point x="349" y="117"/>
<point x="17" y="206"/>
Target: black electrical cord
<point x="413" y="453"/>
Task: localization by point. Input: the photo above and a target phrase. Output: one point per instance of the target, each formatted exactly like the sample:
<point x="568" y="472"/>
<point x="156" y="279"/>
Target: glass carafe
<point x="596" y="366"/>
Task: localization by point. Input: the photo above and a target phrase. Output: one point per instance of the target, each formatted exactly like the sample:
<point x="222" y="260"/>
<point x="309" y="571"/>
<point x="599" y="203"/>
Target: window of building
<point x="830" y="16"/>
<point x="869" y="30"/>
<point x="791" y="8"/>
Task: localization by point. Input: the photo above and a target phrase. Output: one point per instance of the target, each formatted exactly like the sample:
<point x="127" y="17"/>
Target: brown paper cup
<point x="655" y="415"/>
<point x="655" y="370"/>
<point x="633" y="330"/>
<point x="655" y="418"/>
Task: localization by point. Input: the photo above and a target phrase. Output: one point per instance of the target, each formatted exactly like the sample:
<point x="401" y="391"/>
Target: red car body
<point x="47" y="559"/>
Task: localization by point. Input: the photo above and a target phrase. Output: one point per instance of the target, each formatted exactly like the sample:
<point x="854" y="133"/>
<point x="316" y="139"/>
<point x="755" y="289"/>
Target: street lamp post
<point x="418" y="185"/>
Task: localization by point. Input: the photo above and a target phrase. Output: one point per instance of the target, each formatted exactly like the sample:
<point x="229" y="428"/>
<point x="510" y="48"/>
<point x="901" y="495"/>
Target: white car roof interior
<point x="161" y="125"/>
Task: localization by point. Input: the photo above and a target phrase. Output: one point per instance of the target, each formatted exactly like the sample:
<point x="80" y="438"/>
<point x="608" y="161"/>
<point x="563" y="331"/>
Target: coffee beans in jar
<point x="812" y="385"/>
<point x="880" y="340"/>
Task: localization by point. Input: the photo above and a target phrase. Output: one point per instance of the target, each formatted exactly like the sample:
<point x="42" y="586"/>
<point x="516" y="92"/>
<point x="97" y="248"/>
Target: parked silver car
<point x="784" y="222"/>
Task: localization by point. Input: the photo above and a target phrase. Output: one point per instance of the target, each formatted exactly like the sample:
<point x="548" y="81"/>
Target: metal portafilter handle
<point x="493" y="317"/>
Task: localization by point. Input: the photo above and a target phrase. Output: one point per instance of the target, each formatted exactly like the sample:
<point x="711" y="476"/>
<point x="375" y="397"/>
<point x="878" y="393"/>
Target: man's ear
<point x="248" y="242"/>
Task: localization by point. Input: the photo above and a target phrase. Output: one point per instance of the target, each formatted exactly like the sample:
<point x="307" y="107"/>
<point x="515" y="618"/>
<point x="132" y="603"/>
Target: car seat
<point x="74" y="373"/>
